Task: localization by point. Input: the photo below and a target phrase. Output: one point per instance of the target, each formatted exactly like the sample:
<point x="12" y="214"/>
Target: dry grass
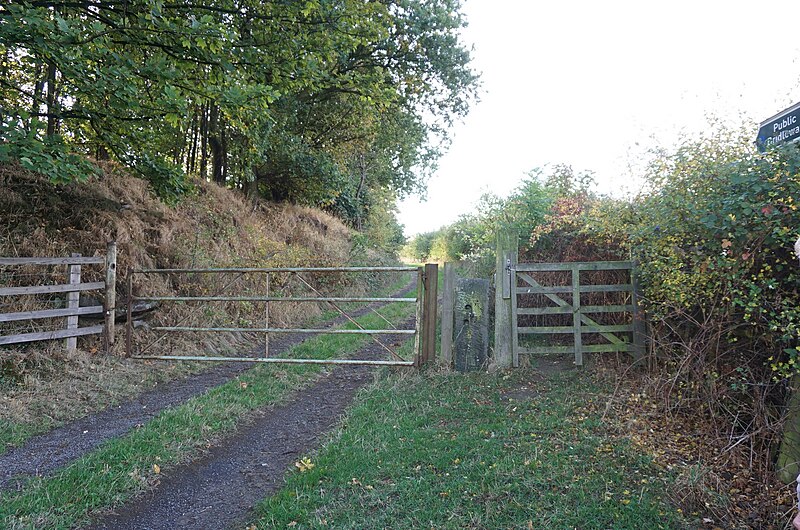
<point x="214" y="227"/>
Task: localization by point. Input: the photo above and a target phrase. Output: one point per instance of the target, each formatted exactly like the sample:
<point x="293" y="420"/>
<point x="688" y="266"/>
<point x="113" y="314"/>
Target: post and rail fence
<point x="72" y="288"/>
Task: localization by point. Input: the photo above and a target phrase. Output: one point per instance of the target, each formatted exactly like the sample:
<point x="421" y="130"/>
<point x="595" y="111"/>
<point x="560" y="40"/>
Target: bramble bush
<point x="713" y="234"/>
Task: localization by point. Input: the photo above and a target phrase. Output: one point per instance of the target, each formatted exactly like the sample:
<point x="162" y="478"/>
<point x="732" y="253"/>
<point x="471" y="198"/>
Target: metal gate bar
<point x="268" y="329"/>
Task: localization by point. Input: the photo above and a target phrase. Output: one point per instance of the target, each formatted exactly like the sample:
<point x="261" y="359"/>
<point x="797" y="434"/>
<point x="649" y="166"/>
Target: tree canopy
<point x="320" y="101"/>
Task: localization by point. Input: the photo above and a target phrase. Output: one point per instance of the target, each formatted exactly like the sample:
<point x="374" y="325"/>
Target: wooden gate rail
<point x="267" y="329"/>
<point x="73" y="288"/>
<point x="581" y="322"/>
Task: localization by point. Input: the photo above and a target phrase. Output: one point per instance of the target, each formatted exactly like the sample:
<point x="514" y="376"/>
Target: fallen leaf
<point x="304" y="465"/>
<point x="726" y="243"/>
<point x="156" y="469"/>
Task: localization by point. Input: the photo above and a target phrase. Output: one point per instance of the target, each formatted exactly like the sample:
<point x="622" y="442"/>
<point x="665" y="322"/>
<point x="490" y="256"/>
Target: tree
<point x="304" y="101"/>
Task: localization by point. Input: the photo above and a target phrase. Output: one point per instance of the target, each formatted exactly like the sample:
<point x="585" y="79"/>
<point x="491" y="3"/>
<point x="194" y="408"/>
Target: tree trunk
<point x="51" y="98"/>
<point x="217" y="150"/>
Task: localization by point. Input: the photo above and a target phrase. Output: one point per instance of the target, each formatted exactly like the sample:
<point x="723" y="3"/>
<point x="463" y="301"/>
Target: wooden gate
<point x="556" y="301"/>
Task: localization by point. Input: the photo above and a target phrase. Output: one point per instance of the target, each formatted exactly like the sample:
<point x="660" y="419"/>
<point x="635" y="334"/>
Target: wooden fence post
<point x="576" y="315"/>
<point x="505" y="289"/>
<point x="448" y="306"/>
<point x="73" y="301"/>
<point x="639" y="324"/>
<point x="111" y="293"/>
<point x="418" y="335"/>
<point x="429" y="313"/>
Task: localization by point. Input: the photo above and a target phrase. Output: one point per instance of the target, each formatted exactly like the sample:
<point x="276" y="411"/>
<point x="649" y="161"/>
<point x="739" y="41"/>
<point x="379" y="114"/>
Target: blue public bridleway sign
<point x="781" y="129"/>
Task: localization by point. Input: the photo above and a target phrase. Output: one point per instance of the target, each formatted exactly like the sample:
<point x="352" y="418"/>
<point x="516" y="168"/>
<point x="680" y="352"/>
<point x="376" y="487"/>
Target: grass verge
<point x="124" y="466"/>
<point x="474" y="451"/>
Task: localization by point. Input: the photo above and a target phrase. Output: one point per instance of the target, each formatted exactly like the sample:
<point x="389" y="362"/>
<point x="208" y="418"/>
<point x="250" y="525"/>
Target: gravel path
<point x="45" y="453"/>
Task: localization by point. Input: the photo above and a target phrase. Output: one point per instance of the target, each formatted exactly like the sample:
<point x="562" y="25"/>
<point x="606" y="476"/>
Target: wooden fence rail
<point x="524" y="283"/>
<point x="73" y="287"/>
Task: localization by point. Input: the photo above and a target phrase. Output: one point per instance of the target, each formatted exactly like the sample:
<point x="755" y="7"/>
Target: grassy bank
<point x="474" y="451"/>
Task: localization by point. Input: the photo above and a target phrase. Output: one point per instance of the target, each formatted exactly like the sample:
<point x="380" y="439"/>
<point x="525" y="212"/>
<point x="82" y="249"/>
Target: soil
<point x="220" y="489"/>
<point x="45" y="453"/>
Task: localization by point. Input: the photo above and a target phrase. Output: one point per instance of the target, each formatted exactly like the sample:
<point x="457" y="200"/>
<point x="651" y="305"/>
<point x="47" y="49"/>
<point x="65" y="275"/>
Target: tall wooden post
<point x="111" y="293"/>
<point x="73" y="302"/>
<point x="639" y="324"/>
<point x="505" y="288"/>
<point x="576" y="315"/>
<point x="429" y="313"/>
<point x="418" y="321"/>
<point x="448" y="313"/>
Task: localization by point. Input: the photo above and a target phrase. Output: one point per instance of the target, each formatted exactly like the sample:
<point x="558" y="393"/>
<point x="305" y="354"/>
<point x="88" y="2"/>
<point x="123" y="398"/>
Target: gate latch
<point x="507" y="280"/>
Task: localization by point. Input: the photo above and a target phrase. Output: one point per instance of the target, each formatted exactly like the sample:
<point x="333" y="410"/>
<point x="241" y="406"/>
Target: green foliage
<point x="714" y="238"/>
<point x="320" y="103"/>
<point x="51" y="157"/>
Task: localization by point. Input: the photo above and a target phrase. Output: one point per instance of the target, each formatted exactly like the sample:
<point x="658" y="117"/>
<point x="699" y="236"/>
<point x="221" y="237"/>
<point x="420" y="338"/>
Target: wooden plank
<point x="545" y="289"/>
<point x="514" y="320"/>
<point x="576" y="316"/>
<point x="560" y="310"/>
<point x="591" y="348"/>
<point x="73" y="302"/>
<point x="50" y="335"/>
<point x="527" y="278"/>
<point x="548" y="349"/>
<point x="46" y="289"/>
<point x="418" y="318"/>
<point x="111" y="294"/>
<point x="607" y="308"/>
<point x="506" y="249"/>
<point x="429" y="313"/>
<point x="580" y="265"/>
<point x="53" y="261"/>
<point x="620" y="287"/>
<point x="544" y="330"/>
<point x="604" y="265"/>
<point x="639" y="323"/>
<point x="50" y="313"/>
<point x="448" y="313"/>
<point x="620" y="328"/>
<point x="544" y="267"/>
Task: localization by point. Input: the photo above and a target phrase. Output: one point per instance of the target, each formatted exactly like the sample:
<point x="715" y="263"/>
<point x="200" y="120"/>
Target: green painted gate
<point x="553" y="301"/>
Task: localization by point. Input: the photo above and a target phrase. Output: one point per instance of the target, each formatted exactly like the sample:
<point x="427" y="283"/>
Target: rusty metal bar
<point x="267" y="299"/>
<point x="286" y="269"/>
<point x="290" y="330"/>
<point x="273" y="360"/>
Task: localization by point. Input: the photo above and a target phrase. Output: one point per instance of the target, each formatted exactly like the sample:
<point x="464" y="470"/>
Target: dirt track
<point x="43" y="454"/>
<point x="219" y="490"/>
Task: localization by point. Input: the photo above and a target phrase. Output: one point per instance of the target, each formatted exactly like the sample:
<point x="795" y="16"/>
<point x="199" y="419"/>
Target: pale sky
<point x="595" y="84"/>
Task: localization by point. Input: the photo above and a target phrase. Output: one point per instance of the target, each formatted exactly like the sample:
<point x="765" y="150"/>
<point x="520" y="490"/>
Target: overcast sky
<point x="596" y="84"/>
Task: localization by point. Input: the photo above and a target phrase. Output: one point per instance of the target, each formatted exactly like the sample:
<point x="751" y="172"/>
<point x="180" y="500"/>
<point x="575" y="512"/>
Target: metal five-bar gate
<point x="213" y="294"/>
<point x="556" y="300"/>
